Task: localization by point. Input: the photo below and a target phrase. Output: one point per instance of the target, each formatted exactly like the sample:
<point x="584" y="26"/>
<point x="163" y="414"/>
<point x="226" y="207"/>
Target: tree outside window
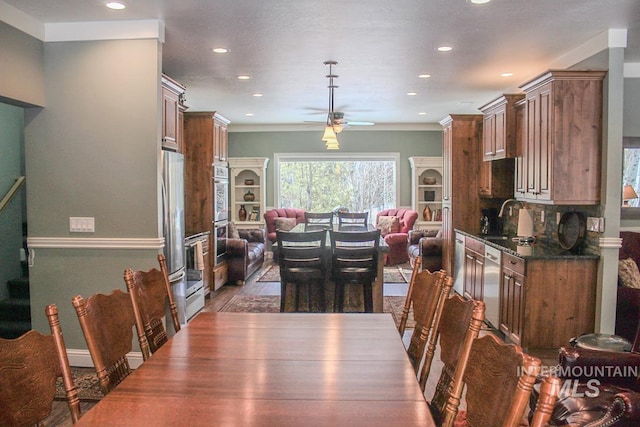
<point x="359" y="184"/>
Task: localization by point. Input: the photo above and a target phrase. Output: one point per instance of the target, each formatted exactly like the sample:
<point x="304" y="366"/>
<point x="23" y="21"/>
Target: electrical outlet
<point x="541" y="216"/>
<point x="595" y="224"/>
<point x="558" y="217"/>
<point x="81" y="224"/>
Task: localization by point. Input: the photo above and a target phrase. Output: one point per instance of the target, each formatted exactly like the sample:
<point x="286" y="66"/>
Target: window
<point x="358" y="182"/>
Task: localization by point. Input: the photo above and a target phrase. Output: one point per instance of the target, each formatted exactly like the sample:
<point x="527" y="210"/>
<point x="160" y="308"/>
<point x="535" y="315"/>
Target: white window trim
<point x="277" y="157"/>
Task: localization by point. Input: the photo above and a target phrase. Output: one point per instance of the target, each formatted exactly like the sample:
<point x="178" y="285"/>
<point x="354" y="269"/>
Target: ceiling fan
<point x="336" y="119"/>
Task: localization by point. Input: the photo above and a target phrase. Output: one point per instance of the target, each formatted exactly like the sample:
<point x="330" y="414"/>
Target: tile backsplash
<point x="548" y="229"/>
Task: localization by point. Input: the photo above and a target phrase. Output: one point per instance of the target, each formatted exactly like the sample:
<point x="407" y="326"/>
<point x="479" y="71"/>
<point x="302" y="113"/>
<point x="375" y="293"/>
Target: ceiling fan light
<point x="333" y="144"/>
<point x="329" y="133"/>
<point x="338" y="128"/>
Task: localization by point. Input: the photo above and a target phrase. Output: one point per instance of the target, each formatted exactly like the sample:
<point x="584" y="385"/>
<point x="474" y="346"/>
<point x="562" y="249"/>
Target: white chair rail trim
<point x="95" y="243"/>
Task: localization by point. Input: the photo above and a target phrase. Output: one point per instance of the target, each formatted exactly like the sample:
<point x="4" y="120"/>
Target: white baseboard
<point x="82" y="358"/>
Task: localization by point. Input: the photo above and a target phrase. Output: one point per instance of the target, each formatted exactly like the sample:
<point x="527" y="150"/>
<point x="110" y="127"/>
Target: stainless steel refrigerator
<point x="174" y="227"/>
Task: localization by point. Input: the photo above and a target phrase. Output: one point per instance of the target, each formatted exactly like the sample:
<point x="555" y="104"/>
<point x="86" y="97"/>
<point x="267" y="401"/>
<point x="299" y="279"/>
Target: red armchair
<point x="398" y="240"/>
<point x="271" y="215"/>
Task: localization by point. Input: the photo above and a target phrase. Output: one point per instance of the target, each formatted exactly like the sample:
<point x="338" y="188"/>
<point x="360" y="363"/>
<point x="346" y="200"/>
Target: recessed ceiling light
<point x="507" y="74"/>
<point x="479" y="1"/>
<point x="422" y="113"/>
<point x="249" y="114"/>
<point x="220" y="50"/>
<point x="445" y="48"/>
<point x="424" y="76"/>
<point x="466" y="102"/>
<point x="257" y="94"/>
<point x="115" y="5"/>
<point x="412" y="93"/>
<point x="243" y="77"/>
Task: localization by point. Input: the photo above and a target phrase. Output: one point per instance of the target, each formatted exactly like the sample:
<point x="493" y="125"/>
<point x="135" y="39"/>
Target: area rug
<point x="392" y="274"/>
<point x="86" y="382"/>
<point x="271" y="304"/>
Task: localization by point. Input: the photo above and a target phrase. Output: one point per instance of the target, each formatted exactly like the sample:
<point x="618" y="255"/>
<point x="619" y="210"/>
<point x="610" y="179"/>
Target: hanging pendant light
<point x="330" y="133"/>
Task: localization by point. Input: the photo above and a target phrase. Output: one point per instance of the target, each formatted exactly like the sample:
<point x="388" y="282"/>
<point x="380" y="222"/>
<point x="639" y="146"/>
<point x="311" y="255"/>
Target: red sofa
<point x="398" y="242"/>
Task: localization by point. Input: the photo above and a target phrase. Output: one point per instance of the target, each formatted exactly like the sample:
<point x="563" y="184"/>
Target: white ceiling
<point x="381" y="46"/>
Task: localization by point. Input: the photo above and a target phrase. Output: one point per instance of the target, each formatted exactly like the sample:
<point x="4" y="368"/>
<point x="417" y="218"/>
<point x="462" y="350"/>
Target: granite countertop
<point x="540" y="249"/>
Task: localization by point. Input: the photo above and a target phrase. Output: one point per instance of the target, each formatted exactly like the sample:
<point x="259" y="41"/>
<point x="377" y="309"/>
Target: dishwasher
<point x="458" y="263"/>
<point x="491" y="285"/>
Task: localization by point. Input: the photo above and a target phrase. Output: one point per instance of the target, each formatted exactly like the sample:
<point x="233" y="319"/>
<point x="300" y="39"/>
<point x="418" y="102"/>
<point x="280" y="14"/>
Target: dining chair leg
<point x="283" y="295"/>
<point x="321" y="297"/>
<point x="368" y="297"/>
<point x="337" y="298"/>
<point x="297" y="298"/>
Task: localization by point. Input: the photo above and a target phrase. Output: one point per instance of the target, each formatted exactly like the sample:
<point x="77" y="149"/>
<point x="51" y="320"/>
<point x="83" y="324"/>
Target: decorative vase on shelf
<point x="429" y="180"/>
<point x="242" y="213"/>
<point x="426" y="213"/>
<point x="249" y="196"/>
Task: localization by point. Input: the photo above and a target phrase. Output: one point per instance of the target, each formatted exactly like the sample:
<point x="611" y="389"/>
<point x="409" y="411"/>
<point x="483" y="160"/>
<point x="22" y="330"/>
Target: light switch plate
<point x="81" y="224"/>
<point x="595" y="224"/>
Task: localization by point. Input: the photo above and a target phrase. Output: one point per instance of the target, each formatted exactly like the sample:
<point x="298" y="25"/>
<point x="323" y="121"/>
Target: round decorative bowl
<point x="249" y="196"/>
<point x="429" y="180"/>
<point x="248" y="182"/>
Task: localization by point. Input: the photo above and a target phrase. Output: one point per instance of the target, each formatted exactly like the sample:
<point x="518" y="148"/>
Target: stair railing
<point x="12" y="192"/>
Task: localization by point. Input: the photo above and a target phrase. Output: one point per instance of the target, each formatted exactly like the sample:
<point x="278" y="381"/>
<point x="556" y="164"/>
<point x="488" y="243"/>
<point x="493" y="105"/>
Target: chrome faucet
<point x="503" y="206"/>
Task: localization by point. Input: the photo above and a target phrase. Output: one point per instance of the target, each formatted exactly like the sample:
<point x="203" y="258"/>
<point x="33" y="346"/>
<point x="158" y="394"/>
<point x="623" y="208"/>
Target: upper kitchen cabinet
<point x="562" y="147"/>
<point x="499" y="127"/>
<point x="220" y="138"/>
<point x="172" y="110"/>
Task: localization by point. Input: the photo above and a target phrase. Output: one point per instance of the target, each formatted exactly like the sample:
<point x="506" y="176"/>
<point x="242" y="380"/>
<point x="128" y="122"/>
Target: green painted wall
<point x="406" y="143"/>
<point x="22" y="56"/>
<point x="94" y="151"/>
<point x="632" y="107"/>
<point x="11" y="218"/>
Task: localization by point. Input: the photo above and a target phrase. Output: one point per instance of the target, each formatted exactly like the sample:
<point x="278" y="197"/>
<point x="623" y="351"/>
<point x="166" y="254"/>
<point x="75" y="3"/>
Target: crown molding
<point x="309" y="128"/>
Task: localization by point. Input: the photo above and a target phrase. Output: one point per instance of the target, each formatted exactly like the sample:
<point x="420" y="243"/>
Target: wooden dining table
<point x="272" y="369"/>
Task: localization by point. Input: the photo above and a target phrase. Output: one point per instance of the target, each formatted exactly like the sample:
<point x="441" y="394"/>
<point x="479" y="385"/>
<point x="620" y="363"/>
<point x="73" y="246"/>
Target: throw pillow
<point x="285" y="224"/>
<point x="233" y="231"/>
<point x="629" y="273"/>
<point x="388" y="224"/>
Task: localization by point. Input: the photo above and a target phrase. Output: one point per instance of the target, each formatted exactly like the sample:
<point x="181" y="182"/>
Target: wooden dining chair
<point x="151" y="293"/>
<point x="318" y="219"/>
<point x="429" y="291"/>
<point x="302" y="258"/>
<point x="407" y="302"/>
<point x="107" y="323"/>
<point x="29" y="367"/>
<point x="354" y="261"/>
<point x="455" y="327"/>
<point x="356" y="220"/>
<point x="499" y="378"/>
<point x="549" y="390"/>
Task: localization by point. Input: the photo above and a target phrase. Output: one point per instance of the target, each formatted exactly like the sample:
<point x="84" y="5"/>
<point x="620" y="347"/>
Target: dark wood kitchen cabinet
<point x="202" y="133"/>
<point x="172" y="110"/>
<point x="546" y="302"/>
<point x="473" y="269"/>
<point x="460" y="180"/>
<point x="562" y="148"/>
<point x="499" y="127"/>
